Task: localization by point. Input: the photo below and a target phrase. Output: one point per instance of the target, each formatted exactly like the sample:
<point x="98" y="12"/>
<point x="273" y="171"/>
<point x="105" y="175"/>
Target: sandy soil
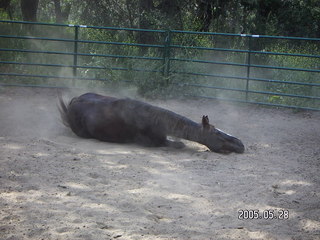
<point x="54" y="185"/>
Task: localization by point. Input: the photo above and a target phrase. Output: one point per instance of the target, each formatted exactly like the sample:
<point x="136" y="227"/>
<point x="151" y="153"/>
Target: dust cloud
<point x="55" y="185"/>
<point x="28" y="116"/>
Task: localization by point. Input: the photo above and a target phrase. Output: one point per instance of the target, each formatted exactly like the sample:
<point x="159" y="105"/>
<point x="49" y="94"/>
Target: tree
<point x="204" y="14"/>
<point x="170" y="14"/>
<point x="5" y="5"/>
<point x="61" y="16"/>
<point x="145" y="7"/>
<point x="29" y="10"/>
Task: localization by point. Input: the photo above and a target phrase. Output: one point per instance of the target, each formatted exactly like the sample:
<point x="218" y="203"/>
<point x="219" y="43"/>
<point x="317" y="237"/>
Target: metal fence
<point x="268" y="70"/>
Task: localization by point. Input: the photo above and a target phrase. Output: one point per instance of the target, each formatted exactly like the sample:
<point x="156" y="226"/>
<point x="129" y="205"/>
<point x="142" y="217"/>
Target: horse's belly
<point x="113" y="132"/>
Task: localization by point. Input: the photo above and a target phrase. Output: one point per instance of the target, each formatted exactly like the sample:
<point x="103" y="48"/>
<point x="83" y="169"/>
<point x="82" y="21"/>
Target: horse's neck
<point x="181" y="127"/>
<point x="174" y="124"/>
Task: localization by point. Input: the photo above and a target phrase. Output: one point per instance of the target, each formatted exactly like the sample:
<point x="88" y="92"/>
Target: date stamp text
<point x="269" y="214"/>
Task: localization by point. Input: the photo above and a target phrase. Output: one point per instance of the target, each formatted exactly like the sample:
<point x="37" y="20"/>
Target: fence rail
<point x="233" y="67"/>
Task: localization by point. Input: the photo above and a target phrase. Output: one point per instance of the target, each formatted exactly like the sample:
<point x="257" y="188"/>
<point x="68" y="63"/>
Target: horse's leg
<point x="175" y="144"/>
<point x="150" y="140"/>
<point x="156" y="138"/>
<point x="151" y="137"/>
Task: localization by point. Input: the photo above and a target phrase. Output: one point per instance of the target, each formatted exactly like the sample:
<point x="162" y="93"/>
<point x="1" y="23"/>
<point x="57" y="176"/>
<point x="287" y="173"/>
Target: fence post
<point x="75" y="51"/>
<point x="248" y="68"/>
<point x="166" y="56"/>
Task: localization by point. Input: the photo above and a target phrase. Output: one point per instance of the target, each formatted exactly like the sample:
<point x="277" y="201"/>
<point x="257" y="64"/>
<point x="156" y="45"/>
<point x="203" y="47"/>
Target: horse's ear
<point x="205" y="122"/>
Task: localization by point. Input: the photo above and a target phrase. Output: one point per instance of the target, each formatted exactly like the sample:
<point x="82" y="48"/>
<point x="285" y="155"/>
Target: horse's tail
<point x="63" y="111"/>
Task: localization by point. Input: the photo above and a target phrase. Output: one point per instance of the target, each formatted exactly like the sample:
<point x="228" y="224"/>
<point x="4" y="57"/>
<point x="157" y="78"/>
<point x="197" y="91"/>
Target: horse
<point x="125" y="120"/>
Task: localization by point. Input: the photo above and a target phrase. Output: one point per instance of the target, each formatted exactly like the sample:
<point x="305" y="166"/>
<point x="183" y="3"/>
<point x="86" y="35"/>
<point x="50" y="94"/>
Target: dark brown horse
<point x="126" y="120"/>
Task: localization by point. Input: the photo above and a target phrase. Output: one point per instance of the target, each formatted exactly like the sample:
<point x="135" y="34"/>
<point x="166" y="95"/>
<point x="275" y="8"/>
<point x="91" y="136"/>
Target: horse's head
<point x="218" y="141"/>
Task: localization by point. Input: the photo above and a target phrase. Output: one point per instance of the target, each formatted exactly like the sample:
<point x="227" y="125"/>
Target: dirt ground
<point x="54" y="185"/>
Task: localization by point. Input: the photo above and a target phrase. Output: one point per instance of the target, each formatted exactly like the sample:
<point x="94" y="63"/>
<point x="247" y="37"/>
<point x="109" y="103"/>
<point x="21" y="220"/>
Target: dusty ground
<point x="54" y="185"/>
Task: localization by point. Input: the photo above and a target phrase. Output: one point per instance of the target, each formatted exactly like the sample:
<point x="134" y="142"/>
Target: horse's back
<point x="96" y="116"/>
<point x="117" y="120"/>
<point x="93" y="97"/>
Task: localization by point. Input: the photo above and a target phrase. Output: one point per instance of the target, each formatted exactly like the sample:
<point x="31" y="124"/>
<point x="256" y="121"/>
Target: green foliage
<point x="123" y="65"/>
<point x="295" y="62"/>
<point x="269" y="17"/>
